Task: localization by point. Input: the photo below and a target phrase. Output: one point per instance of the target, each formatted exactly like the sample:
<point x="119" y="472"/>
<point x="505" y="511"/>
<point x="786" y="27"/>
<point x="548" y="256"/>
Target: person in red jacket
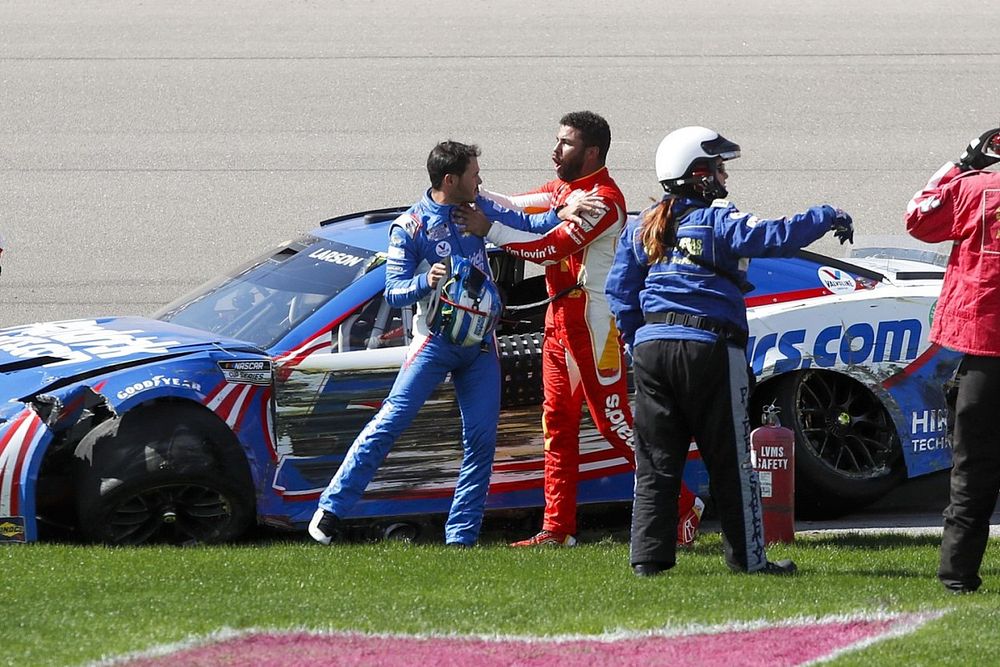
<point x="961" y="203"/>
<point x="582" y="356"/>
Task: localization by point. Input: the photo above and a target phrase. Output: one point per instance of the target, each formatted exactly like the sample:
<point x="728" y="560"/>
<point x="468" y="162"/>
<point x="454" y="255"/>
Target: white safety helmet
<point x="686" y="157"/>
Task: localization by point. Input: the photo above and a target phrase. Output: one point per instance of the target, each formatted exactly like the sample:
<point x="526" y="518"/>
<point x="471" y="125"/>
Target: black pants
<point x="975" y="475"/>
<point x="683" y="389"/>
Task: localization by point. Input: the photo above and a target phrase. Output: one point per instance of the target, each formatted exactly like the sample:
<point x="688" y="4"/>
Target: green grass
<point x="71" y="604"/>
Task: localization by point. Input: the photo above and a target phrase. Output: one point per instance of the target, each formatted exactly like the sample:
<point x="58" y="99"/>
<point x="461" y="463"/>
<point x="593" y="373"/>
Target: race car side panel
<point x="237" y="387"/>
<point x="868" y="330"/>
<point x="878" y="336"/>
<point x="23" y="440"/>
<point x="325" y="400"/>
<point x="918" y="408"/>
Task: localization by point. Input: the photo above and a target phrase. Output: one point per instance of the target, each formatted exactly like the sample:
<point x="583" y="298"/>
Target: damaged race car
<point x="236" y="403"/>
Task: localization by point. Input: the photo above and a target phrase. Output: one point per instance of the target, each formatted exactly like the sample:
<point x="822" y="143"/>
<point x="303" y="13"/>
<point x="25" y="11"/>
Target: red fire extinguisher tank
<point x="773" y="455"/>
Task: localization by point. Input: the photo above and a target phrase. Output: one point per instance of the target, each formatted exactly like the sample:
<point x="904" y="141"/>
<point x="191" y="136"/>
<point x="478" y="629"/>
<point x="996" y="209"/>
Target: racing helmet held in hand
<point x="466" y="306"/>
<point x="685" y="162"/>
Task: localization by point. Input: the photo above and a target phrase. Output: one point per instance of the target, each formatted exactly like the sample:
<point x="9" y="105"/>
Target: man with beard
<point x="582" y="356"/>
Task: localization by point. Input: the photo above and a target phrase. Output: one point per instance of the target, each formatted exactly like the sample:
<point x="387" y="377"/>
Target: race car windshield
<point x="261" y="301"/>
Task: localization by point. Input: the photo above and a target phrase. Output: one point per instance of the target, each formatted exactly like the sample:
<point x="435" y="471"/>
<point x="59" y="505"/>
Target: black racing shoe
<point x="324" y="527"/>
<point x="780" y="568"/>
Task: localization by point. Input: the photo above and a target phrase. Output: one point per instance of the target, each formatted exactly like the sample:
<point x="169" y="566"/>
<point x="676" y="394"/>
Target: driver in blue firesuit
<point x="423" y="243"/>
<point x="676" y="288"/>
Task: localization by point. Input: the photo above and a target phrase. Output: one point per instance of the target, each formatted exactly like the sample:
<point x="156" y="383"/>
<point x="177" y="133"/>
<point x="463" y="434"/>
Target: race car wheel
<point x="400" y="531"/>
<point x="847" y="452"/>
<point x="163" y="475"/>
<point x="520" y="369"/>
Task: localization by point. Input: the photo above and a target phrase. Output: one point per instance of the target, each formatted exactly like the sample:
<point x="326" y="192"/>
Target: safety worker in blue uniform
<point x="447" y="274"/>
<point x="676" y="288"/>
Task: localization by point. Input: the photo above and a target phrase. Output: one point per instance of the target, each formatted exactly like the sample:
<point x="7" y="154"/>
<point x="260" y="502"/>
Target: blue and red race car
<point x="236" y="403"/>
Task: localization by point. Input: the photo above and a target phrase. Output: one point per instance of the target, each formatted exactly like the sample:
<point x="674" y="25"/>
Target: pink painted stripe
<point x="771" y="646"/>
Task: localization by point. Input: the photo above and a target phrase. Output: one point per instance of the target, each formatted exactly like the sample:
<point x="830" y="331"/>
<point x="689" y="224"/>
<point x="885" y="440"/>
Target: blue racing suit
<point x="685" y="320"/>
<point x="420" y="237"/>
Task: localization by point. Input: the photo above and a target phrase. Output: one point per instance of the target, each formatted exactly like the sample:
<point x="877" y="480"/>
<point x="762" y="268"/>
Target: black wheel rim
<point x="845" y="426"/>
<point x="172" y="513"/>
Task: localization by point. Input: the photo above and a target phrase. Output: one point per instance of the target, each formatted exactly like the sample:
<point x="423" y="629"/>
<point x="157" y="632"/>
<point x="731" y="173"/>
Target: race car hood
<point x="34" y="356"/>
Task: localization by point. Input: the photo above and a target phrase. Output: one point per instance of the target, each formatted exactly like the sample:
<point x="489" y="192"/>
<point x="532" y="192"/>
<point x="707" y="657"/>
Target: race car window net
<point x="374" y="325"/>
<point x="261" y="301"/>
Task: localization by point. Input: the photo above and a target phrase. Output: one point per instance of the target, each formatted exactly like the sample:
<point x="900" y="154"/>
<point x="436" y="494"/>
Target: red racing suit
<point x="582" y="357"/>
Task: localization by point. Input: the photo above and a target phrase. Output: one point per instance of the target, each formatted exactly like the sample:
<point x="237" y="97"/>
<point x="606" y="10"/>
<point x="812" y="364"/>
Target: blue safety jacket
<point x="718" y="235"/>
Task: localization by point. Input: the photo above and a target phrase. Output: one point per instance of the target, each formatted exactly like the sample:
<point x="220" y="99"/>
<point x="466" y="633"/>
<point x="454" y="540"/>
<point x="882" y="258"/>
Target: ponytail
<point x="658" y="231"/>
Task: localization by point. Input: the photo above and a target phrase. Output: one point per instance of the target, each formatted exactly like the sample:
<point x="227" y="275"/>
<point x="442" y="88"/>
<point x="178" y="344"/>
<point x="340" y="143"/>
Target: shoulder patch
<point x="408" y="222"/>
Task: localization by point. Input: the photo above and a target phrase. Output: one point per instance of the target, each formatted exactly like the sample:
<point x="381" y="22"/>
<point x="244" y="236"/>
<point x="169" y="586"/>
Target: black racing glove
<point x="843" y="227"/>
<point x="982" y="152"/>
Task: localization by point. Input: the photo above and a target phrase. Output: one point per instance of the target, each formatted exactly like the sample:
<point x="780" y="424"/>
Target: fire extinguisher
<point x="773" y="455"/>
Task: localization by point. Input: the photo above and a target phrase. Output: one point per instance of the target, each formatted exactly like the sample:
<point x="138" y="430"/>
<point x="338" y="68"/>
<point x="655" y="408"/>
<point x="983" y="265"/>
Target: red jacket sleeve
<point x="930" y="215"/>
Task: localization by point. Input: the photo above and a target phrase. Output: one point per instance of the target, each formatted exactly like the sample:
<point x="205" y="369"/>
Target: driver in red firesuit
<point x="582" y="356"/>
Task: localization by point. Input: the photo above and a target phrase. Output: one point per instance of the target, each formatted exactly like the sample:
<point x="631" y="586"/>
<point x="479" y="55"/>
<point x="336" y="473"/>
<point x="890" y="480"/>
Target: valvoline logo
<point x="846" y="344"/>
<point x="835" y="280"/>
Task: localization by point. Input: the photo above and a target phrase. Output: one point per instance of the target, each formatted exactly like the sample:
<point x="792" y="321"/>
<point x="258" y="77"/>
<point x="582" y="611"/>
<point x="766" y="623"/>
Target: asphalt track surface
<point x="147" y="147"/>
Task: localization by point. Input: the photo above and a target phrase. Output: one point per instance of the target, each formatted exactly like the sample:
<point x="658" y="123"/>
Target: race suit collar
<point x="440" y="214"/>
<point x="590" y="180"/>
<point x="685" y="203"/>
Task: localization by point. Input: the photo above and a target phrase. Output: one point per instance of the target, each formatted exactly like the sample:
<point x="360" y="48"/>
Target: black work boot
<point x="780" y="568"/>
<point x="649" y="569"/>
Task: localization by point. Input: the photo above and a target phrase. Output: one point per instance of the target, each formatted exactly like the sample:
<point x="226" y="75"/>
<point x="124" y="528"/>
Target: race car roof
<point x="367" y="229"/>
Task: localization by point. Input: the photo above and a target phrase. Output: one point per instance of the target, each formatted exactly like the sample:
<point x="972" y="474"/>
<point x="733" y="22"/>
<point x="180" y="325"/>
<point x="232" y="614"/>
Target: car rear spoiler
<point x="924" y="255"/>
<point x="903" y="257"/>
